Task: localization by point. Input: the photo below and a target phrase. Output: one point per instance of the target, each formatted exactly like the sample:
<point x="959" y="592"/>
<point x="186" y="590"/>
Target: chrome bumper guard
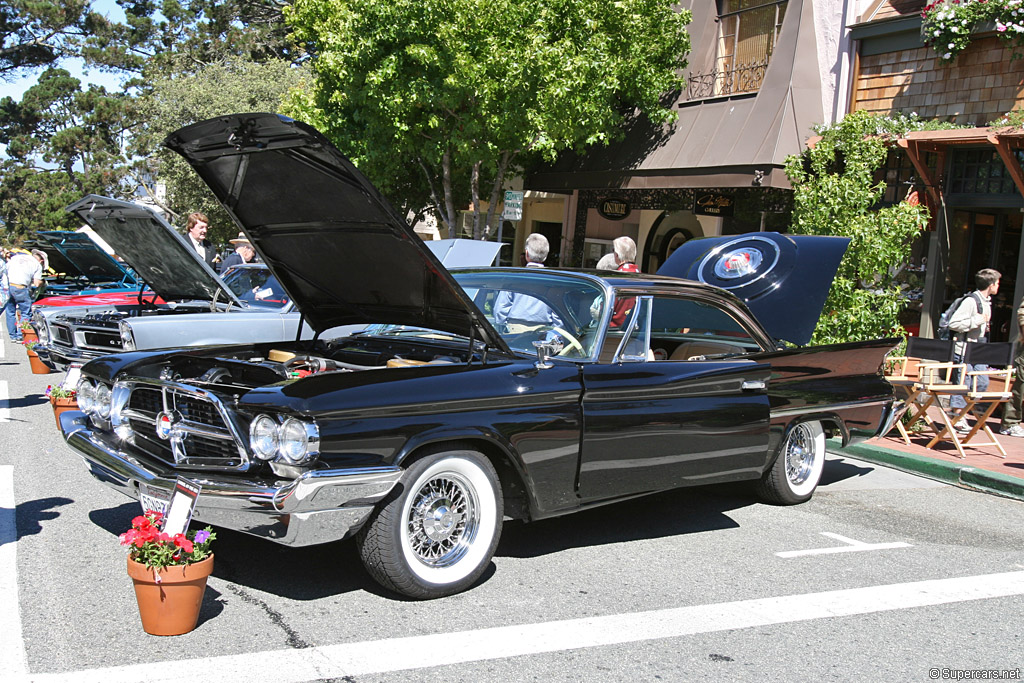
<point x="319" y="506"/>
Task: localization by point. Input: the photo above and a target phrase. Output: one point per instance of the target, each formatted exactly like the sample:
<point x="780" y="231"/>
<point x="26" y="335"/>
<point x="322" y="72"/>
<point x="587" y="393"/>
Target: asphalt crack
<point x="293" y="639"/>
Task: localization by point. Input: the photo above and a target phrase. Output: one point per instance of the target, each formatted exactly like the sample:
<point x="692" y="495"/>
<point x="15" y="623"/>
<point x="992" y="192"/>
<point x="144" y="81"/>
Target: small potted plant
<point x="169" y="573"/>
<point x="34" y="361"/>
<point x="28" y="333"/>
<point x="62" y="400"/>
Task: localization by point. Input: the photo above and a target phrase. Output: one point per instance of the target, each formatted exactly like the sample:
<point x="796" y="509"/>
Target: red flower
<point x="183" y="543"/>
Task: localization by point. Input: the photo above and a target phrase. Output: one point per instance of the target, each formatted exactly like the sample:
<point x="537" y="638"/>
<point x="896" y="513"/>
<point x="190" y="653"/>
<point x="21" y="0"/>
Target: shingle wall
<point x="980" y="85"/>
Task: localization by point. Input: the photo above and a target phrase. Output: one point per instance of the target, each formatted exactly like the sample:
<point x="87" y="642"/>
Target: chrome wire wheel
<point x="797" y="469"/>
<point x="443" y="520"/>
<point x="436" y="532"/>
<point x="800" y="455"/>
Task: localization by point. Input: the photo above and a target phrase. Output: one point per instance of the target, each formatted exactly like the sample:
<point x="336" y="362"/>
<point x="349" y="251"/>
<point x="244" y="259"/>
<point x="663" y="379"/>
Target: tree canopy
<point x="836" y="193"/>
<point x="435" y="100"/>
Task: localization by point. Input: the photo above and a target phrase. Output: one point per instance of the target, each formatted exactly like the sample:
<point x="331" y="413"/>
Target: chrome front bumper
<point x="318" y="507"/>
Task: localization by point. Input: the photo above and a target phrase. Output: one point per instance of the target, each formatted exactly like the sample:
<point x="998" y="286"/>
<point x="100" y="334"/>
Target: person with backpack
<point x="969" y="324"/>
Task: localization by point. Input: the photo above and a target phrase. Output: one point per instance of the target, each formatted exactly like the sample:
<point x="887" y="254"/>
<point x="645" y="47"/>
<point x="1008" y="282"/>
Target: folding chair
<point x="904" y="372"/>
<point x="999" y="357"/>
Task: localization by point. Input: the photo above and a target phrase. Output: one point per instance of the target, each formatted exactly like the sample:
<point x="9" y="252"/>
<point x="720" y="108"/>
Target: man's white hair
<point x="625" y="249"/>
<point x="607" y="262"/>
<point x="537" y="248"/>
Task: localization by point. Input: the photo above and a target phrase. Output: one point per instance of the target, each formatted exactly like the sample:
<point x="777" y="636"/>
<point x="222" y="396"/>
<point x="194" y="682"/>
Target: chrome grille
<point x="203" y="435"/>
<point x="97" y="339"/>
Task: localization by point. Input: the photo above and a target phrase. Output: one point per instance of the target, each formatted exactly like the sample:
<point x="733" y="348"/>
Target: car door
<point x="678" y="402"/>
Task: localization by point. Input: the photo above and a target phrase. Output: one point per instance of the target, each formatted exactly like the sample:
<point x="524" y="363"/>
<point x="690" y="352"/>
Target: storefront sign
<point x="713" y="204"/>
<point x="613" y="208"/>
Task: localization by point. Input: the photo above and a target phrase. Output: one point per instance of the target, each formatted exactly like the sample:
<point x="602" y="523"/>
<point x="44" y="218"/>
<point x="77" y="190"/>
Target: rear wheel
<point x="437" y="531"/>
<point x="797" y="470"/>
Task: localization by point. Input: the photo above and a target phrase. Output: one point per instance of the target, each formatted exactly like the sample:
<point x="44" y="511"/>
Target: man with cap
<point x="244" y="253"/>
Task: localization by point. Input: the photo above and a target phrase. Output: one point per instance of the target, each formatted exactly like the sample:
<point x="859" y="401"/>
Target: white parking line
<point x="5" y="406"/>
<point x="13" y="662"/>
<point x="403" y="654"/>
<point x="851" y="546"/>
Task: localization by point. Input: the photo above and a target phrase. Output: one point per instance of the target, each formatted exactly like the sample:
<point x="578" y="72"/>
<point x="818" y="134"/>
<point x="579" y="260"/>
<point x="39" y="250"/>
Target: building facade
<point x="761" y="74"/>
<point x="971" y="179"/>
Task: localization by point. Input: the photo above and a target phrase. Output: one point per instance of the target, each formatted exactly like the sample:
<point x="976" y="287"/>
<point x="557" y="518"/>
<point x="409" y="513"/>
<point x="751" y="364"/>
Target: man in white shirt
<point x="24" y="274"/>
<point x="195" y="232"/>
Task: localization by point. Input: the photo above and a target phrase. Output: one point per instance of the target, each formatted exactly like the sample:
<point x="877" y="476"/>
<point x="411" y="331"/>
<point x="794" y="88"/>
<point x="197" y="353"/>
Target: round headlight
<point x="294" y="441"/>
<point x="263" y="437"/>
<point x="85" y="394"/>
<point x="39" y="323"/>
<point x="127" y="338"/>
<point x="101" y="399"/>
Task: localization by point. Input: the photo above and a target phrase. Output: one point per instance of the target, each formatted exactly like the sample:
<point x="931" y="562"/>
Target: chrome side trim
<point x="829" y="407"/>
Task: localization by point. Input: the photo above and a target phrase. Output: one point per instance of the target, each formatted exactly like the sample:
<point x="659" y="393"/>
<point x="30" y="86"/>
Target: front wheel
<point x="436" y="533"/>
<point x="797" y="470"/>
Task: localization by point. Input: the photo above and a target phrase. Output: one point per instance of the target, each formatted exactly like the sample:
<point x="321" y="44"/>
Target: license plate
<point x="151" y="498"/>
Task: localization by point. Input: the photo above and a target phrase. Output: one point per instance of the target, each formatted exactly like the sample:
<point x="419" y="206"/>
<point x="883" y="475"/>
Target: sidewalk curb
<point x="953" y="473"/>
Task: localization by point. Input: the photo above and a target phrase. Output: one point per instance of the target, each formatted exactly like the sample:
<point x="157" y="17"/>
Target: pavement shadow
<point x="30" y="515"/>
<point x="671" y="513"/>
<point x="306" y="573"/>
<point x="837" y="469"/>
<point x="27" y="400"/>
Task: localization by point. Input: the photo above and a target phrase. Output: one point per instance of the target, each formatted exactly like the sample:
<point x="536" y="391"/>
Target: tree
<point x="174" y="102"/>
<point x="435" y="99"/>
<point x="37" y="33"/>
<point x="165" y="37"/>
<point x="836" y="193"/>
<point x="62" y="142"/>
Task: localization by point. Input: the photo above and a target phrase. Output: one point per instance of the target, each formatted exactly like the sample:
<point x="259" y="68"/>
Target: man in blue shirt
<point x="522" y="312"/>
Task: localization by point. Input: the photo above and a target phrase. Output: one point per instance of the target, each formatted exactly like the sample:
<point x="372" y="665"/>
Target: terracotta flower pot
<point x="61" y="405"/>
<point x="29" y="336"/>
<point x="38" y="366"/>
<point x="170" y="607"/>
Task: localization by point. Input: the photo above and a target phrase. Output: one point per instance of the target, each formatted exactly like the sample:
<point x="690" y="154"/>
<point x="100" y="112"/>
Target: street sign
<point x="513" y="206"/>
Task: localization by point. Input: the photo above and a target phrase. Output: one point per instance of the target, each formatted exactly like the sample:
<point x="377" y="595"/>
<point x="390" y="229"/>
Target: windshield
<point x="256" y="286"/>
<point x="529" y="305"/>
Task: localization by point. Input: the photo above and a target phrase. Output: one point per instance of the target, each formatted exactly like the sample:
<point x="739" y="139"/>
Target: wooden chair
<point x="998" y="357"/>
<point x="905" y="373"/>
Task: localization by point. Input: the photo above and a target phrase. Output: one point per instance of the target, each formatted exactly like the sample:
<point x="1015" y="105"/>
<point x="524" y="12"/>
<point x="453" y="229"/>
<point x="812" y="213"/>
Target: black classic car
<point x="419" y="434"/>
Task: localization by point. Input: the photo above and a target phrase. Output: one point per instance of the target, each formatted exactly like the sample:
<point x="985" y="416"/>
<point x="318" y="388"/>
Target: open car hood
<point x="87" y="257"/>
<point x="783" y="279"/>
<point x="159" y="255"/>
<point x="342" y="253"/>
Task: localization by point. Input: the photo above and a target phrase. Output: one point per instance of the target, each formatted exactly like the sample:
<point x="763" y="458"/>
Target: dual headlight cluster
<point x="293" y="441"/>
<point x="93" y="398"/>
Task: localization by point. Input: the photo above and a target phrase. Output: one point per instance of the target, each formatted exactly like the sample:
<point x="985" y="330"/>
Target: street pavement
<point x="883" y="575"/>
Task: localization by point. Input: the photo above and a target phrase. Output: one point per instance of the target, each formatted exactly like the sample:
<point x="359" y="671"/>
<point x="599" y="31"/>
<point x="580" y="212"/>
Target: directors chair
<point x="905" y="373"/>
<point x="998" y="356"/>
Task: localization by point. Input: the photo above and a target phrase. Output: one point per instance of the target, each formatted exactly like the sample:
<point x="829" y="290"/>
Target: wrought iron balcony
<point x="743" y="78"/>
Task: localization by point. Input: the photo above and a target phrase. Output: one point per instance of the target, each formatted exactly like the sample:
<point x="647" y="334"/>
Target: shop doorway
<point x="985" y="239"/>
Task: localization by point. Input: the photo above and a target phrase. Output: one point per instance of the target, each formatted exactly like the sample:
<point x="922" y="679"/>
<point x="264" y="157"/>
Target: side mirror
<point x="545" y="350"/>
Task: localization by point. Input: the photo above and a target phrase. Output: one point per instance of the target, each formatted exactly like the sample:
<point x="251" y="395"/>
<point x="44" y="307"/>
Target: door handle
<point x="753" y="385"/>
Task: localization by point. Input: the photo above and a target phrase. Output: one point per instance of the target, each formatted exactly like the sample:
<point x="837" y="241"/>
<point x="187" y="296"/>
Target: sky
<point x="15" y="88"/>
